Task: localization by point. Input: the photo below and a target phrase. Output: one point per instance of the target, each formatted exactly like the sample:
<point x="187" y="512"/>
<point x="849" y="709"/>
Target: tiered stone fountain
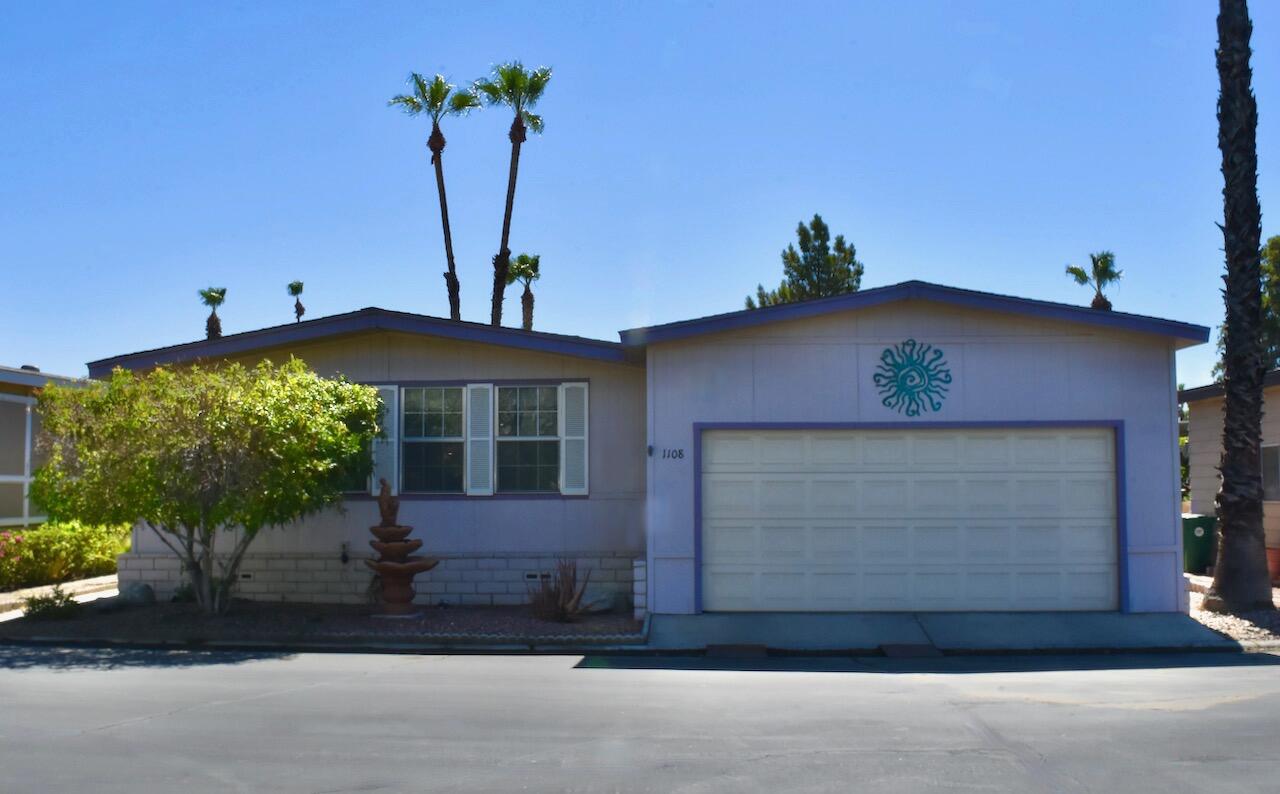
<point x="394" y="565"/>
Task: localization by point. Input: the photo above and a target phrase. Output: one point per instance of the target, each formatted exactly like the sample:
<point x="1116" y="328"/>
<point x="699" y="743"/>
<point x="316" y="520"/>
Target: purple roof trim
<point x="1272" y="378"/>
<point x="914" y="290"/>
<point x="364" y="320"/>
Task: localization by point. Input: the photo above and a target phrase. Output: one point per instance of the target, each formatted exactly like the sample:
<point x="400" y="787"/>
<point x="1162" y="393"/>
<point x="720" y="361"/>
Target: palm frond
<point x="409" y="104"/>
<point x="533" y="121"/>
<point x="537" y="83"/>
<point x="1078" y="273"/>
<point x="524" y="268"/>
<point x="212" y="296"/>
<point x="295" y="288"/>
<point x="463" y="102"/>
<point x="1104" y="268"/>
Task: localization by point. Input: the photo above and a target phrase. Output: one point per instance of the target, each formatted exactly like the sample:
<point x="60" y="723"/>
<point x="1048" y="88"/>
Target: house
<point x="19" y="424"/>
<point x="911" y="447"/>
<point x="1204" y="445"/>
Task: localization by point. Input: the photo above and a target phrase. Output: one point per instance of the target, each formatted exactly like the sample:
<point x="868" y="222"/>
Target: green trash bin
<point x="1199" y="541"/>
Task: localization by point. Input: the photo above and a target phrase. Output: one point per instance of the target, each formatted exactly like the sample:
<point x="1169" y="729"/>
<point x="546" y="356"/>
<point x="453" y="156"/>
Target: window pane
<point x="413" y="400"/>
<point x="453" y="400"/>
<point x="528" y="424"/>
<point x="1271" y="474"/>
<point x="507" y="399"/>
<point x="413" y="426"/>
<point x="435" y="426"/>
<point x="529" y="466"/>
<point x="507" y="453"/>
<point x="432" y="467"/>
<point x="453" y="425"/>
<point x="435" y="400"/>
<point x="547" y="398"/>
<point x="506" y="423"/>
<point x="546" y="423"/>
<point x="528" y="398"/>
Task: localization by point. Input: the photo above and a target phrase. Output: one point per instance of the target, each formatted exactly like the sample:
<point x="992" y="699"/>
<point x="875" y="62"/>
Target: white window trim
<point x="558" y="438"/>
<point x="24" y="479"/>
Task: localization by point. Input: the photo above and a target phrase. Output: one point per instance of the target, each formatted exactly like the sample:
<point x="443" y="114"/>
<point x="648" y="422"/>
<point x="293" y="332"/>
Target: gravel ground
<point x="1247" y="626"/>
<point x="259" y="621"/>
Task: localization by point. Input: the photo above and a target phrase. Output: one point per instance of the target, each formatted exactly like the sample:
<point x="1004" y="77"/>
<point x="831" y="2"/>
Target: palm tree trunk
<point x="436" y="142"/>
<point x="1240" y="578"/>
<point x="526" y="304"/>
<point x="213" y="326"/>
<point x="502" y="262"/>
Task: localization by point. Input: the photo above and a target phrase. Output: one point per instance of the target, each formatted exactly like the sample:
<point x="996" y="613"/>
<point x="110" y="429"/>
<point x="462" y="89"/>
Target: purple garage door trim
<point x="1115" y="425"/>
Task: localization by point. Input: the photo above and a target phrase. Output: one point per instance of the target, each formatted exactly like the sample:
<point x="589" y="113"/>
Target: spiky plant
<point x="518" y="89"/>
<point x="436" y="99"/>
<point x="524" y="268"/>
<point x="1101" y="274"/>
<point x="559" y="596"/>
<point x="295" y="291"/>
<point x="213" y="298"/>
<point x="1240" y="579"/>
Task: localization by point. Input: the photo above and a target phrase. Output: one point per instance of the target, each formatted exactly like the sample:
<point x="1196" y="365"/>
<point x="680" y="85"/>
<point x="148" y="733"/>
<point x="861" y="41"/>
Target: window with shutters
<point x="528" y="441"/>
<point x="432" y="440"/>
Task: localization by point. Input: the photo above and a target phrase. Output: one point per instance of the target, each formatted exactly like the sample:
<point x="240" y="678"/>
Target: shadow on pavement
<point x="26" y="657"/>
<point x="945" y="665"/>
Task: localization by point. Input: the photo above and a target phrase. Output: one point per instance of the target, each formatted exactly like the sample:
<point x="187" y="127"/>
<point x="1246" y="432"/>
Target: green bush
<point x="59" y="552"/>
<point x="57" y="605"/>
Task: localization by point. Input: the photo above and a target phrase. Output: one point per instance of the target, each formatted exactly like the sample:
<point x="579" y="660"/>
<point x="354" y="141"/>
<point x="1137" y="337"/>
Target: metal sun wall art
<point x="912" y="378"/>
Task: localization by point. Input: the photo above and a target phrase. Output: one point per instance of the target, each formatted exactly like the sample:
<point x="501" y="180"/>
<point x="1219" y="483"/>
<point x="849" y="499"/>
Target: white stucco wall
<point x="1005" y="368"/>
<point x="608" y="521"/>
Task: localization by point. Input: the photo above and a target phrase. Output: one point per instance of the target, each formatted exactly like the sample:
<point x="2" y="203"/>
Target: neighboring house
<point x="912" y="447"/>
<point x="19" y="424"/>
<point x="1204" y="444"/>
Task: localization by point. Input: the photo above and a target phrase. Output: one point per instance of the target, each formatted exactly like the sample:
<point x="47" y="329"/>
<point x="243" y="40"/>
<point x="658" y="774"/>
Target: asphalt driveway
<point x="163" y="721"/>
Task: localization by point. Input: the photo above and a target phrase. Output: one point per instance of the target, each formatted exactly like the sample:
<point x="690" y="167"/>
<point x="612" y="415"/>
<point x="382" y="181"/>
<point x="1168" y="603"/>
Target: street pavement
<point x="120" y="720"/>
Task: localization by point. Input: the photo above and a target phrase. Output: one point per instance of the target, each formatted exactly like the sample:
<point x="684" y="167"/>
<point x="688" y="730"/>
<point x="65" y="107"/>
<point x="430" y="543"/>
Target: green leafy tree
<point x="518" y="89"/>
<point x="818" y="270"/>
<point x="295" y="291"/>
<point x="1101" y="274"/>
<point x="524" y="268"/>
<point x="436" y="99"/>
<point x="213" y="298"/>
<point x="1240" y="578"/>
<point x="1270" y="259"/>
<point x="201" y="455"/>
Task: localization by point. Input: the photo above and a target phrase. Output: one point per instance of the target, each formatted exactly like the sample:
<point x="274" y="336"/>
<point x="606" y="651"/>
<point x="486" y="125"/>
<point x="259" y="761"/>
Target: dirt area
<point x="1254" y="626"/>
<point x="252" y="621"/>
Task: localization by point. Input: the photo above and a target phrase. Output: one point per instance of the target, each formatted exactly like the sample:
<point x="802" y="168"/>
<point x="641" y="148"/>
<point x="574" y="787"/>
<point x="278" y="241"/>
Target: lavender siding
<point x="1005" y="369"/>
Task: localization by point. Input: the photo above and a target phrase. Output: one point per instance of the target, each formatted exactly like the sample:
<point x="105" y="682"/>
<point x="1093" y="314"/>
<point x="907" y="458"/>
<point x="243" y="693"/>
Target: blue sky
<point x="148" y="150"/>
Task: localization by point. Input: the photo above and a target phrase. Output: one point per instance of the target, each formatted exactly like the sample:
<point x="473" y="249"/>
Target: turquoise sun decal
<point x="912" y="378"/>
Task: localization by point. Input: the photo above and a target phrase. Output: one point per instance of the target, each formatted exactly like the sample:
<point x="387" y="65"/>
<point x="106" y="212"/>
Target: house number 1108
<point x="673" y="454"/>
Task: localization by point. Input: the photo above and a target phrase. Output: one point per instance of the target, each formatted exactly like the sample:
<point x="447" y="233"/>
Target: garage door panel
<point x="859" y="521"/>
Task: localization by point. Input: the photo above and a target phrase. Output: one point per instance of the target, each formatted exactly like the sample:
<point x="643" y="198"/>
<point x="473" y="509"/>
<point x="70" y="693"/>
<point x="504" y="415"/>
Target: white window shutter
<point x="386" y="450"/>
<point x="573" y="439"/>
<point x="479" y="421"/>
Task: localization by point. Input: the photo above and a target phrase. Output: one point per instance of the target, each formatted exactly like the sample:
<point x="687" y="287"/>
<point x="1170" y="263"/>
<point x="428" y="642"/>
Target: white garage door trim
<point x="1115" y="426"/>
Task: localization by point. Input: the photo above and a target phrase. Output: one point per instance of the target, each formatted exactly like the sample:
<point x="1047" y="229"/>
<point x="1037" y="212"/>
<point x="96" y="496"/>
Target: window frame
<point x="404" y="438"/>
<point x="1262" y="466"/>
<point x="557" y="438"/>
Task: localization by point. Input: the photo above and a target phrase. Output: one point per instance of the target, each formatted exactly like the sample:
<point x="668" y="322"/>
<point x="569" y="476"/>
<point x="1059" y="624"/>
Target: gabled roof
<point x="1212" y="390"/>
<point x="32" y="378"/>
<point x="364" y="320"/>
<point x="917" y="290"/>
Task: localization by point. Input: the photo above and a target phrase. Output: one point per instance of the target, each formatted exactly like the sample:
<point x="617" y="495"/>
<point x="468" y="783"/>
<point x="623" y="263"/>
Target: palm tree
<point x="1101" y="274"/>
<point x="1240" y="578"/>
<point x="525" y="269"/>
<point x="513" y="87"/>
<point x="437" y="99"/>
<point x="213" y="298"/>
<point x="295" y="290"/>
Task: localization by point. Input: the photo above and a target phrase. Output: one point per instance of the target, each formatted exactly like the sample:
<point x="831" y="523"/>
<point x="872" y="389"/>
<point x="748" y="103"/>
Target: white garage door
<point x="909" y="520"/>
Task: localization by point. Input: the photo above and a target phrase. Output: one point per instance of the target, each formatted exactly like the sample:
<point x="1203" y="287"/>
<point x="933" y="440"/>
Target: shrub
<point x="59" y="552"/>
<point x="57" y="605"/>
<point x="558" y="597"/>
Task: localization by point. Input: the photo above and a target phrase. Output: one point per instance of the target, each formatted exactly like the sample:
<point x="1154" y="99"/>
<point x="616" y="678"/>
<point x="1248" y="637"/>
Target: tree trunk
<point x="436" y="143"/>
<point x="502" y="262"/>
<point x="1240" y="578"/>
<point x="1100" y="302"/>
<point x="526" y="304"/>
<point x="213" y="326"/>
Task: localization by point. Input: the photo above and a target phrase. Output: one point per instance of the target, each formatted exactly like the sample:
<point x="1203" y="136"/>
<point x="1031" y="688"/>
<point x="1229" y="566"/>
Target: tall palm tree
<point x="1240" y="578"/>
<point x="514" y="87"/>
<point x="295" y="290"/>
<point x="437" y="99"/>
<point x="213" y="298"/>
<point x="1101" y="274"/>
<point x="525" y="269"/>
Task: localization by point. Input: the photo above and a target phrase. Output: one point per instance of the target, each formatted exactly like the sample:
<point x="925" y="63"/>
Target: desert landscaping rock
<point x="137" y="594"/>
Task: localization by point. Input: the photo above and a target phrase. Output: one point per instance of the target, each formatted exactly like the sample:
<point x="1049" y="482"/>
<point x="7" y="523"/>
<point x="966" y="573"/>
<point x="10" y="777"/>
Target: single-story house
<point x="910" y="447"/>
<point x="1204" y="446"/>
<point x="19" y="425"/>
